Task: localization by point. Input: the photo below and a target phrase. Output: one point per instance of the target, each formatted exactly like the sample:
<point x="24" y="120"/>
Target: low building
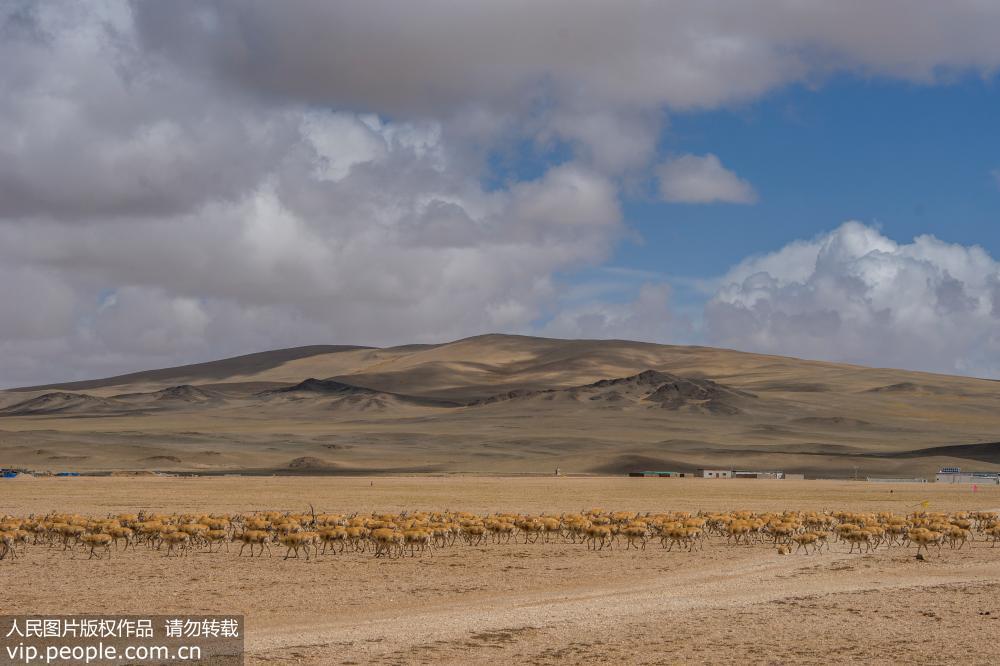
<point x="678" y="475"/>
<point x="715" y="473"/>
<point x="877" y="479"/>
<point x="795" y="477"/>
<point x="956" y="475"/>
<point x="745" y="474"/>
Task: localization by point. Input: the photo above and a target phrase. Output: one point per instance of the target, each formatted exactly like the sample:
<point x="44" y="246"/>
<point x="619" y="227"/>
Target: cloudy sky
<point x="182" y="181"/>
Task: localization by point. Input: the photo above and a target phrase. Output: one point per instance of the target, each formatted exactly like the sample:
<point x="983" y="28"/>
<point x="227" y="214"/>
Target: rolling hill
<point x="500" y="403"/>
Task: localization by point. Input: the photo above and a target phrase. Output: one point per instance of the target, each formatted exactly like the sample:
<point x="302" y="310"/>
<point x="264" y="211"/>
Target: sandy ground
<point x="537" y="603"/>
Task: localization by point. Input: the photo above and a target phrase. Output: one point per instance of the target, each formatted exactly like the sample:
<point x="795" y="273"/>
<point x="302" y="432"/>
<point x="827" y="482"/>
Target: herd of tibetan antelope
<point x="419" y="533"/>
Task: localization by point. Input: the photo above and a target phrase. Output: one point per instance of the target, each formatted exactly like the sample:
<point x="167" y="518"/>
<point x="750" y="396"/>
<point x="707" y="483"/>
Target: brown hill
<point x="311" y="388"/>
<point x="185" y="394"/>
<point x="340" y="396"/>
<point x="509" y="403"/>
<point x="648" y="389"/>
<point x="62" y="403"/>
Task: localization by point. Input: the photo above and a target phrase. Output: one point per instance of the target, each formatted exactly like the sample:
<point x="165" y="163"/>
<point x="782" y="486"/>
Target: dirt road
<point x="669" y="617"/>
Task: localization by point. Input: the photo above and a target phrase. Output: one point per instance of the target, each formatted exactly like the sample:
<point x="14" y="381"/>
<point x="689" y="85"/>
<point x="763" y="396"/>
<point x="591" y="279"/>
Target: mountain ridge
<point x="500" y="403"/>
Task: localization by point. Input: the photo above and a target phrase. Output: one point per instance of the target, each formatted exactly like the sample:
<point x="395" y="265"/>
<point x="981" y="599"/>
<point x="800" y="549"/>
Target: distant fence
<point x="873" y="479"/>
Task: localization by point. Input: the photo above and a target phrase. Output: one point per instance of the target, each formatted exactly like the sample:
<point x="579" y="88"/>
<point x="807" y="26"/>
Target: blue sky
<point x="911" y="159"/>
<point x="906" y="158"/>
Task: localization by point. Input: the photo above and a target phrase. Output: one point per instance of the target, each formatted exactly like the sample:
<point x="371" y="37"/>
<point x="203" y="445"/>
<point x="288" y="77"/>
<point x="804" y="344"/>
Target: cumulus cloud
<point x="424" y="255"/>
<point x="194" y="231"/>
<point x="855" y="295"/>
<point x="702" y="179"/>
<point x="181" y="181"/>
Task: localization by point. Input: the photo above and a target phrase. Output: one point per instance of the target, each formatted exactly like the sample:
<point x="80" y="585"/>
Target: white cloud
<point x="427" y="255"/>
<point x="417" y="58"/>
<point x="398" y="243"/>
<point x="700" y="180"/>
<point x="341" y="141"/>
<point x="598" y="75"/>
<point x="612" y="141"/>
<point x="855" y="295"/>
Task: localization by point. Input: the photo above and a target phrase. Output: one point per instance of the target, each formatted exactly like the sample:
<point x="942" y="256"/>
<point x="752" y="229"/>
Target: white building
<point x="715" y="473"/>
<point x="745" y="474"/>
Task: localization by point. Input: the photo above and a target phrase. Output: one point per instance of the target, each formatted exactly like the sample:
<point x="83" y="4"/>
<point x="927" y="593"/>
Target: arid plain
<point x="542" y="603"/>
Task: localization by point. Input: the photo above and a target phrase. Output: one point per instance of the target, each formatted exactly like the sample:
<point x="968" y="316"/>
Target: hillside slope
<point x="507" y="404"/>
